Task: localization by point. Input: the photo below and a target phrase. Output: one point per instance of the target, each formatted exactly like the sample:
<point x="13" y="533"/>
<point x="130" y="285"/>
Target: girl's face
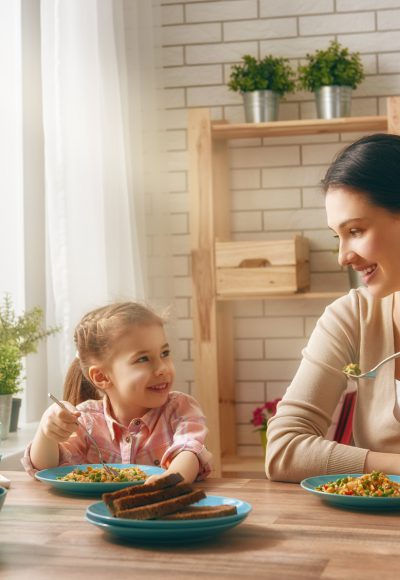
<point x="141" y="372"/>
<point x="369" y="239"/>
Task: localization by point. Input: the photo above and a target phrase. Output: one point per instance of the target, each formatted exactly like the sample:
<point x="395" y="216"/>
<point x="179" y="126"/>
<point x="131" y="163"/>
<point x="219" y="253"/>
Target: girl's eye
<point x="355" y="232"/>
<point x="142" y="359"/>
<point x="165" y="353"/>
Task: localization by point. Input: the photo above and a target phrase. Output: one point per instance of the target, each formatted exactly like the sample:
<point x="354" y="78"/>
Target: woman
<point x="362" y="189"/>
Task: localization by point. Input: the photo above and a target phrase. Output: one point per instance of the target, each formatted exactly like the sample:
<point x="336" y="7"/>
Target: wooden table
<point x="289" y="534"/>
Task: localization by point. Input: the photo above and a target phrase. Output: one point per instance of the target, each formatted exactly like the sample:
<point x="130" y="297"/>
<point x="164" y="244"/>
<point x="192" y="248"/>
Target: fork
<point x="110" y="470"/>
<point x="371" y="374"/>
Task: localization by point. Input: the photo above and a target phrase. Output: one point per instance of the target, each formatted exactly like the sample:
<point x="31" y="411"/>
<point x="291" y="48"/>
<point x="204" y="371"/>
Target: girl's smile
<point x="369" y="238"/>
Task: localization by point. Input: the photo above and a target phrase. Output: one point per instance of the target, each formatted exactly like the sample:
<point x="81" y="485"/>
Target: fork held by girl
<point x="119" y="385"/>
<point x="362" y="198"/>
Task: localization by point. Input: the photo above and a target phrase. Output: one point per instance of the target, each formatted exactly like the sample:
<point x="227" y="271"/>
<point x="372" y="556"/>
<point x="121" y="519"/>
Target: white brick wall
<point x="274" y="182"/>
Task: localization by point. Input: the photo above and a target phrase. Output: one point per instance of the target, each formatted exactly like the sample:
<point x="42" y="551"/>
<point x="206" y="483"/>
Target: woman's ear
<point x="99" y="378"/>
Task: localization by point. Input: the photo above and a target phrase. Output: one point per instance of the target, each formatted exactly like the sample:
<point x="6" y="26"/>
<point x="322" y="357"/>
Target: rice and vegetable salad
<point x="99" y="474"/>
<point x="374" y="484"/>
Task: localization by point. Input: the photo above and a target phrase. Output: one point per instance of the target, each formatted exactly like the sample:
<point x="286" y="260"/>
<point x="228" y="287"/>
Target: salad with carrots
<point x="374" y="484"/>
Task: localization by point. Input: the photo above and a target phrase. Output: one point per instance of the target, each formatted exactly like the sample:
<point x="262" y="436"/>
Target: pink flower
<point x="263" y="413"/>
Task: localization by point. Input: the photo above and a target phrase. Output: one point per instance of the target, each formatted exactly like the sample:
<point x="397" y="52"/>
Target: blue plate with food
<point x="170" y="531"/>
<point x="93" y="479"/>
<point x="373" y="490"/>
<point x="99" y="512"/>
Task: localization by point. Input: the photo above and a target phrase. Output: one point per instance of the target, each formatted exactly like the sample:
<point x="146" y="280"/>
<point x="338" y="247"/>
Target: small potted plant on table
<point x="331" y="75"/>
<point x="262" y="83"/>
<point x="19" y="336"/>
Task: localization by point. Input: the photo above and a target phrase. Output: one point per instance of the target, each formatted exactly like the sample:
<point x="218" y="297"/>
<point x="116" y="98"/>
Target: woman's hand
<point x="59" y="424"/>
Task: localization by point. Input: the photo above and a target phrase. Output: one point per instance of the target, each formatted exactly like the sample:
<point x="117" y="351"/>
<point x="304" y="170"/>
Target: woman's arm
<point x="297" y="447"/>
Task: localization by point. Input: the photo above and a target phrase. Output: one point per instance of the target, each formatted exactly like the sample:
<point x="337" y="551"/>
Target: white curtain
<point x="97" y="239"/>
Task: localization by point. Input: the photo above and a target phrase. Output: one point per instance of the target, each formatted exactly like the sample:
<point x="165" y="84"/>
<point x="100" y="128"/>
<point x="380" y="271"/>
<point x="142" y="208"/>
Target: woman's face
<point x="369" y="239"/>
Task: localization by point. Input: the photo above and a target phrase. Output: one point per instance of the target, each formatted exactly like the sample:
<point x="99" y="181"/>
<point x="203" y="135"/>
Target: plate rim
<point x="173" y="524"/>
<point x="93" y="485"/>
<point x="336" y="498"/>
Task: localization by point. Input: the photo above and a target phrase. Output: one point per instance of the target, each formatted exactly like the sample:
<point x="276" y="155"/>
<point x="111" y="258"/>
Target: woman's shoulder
<point x="361" y="302"/>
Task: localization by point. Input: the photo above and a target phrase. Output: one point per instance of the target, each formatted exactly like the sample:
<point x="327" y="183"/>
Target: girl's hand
<point x="58" y="424"/>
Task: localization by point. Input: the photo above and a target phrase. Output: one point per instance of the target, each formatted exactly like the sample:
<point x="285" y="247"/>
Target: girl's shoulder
<point x="179" y="399"/>
<point x="91" y="406"/>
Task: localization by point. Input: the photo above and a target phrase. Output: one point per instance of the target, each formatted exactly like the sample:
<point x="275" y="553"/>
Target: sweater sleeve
<point x="297" y="447"/>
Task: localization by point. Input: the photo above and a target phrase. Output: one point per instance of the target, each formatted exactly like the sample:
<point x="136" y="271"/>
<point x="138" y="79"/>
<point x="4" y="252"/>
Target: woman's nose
<point x="346" y="257"/>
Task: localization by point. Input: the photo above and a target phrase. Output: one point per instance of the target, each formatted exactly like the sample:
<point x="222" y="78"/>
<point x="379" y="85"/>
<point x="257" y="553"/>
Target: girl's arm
<point x="185" y="463"/>
<point x="56" y="426"/>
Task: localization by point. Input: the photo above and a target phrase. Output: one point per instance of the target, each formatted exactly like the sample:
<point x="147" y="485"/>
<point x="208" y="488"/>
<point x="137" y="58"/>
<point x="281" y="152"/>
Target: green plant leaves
<point x="19" y="336"/>
<point x="268" y="74"/>
<point x="333" y="66"/>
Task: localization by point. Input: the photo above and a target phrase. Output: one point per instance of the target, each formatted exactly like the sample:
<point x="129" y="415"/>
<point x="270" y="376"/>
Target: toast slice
<point x="167" y="481"/>
<point x="161" y="508"/>
<point x="139" y="499"/>
<point x="202" y="512"/>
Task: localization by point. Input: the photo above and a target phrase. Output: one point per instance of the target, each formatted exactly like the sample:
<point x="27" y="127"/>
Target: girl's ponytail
<point x="77" y="388"/>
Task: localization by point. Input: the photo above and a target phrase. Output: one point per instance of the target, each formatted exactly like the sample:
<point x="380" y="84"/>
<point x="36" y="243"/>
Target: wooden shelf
<point x="210" y="211"/>
<point x="225" y="131"/>
<point x="298" y="296"/>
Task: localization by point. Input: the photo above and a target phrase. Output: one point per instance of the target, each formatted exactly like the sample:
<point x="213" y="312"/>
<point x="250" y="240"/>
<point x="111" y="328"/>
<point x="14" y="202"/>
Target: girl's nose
<point x="160" y="368"/>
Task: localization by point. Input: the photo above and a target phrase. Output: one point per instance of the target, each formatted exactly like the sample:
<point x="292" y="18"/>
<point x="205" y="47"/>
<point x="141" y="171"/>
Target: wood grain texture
<point x="290" y="534"/>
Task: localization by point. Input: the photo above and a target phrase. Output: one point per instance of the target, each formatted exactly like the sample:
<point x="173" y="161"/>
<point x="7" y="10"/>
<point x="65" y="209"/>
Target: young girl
<point x="119" y="386"/>
<point x="362" y="189"/>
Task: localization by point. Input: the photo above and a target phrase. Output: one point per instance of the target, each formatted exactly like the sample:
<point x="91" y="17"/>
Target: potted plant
<point x="19" y="336"/>
<point x="262" y="83"/>
<point x="331" y="75"/>
<point x="260" y="419"/>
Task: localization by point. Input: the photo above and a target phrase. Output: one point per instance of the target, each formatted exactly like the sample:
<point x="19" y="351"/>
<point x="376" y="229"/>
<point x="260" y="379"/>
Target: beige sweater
<point x="355" y="328"/>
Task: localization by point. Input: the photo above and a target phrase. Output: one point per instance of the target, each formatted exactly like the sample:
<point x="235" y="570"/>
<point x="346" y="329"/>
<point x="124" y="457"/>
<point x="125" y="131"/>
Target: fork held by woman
<point x="371" y="374"/>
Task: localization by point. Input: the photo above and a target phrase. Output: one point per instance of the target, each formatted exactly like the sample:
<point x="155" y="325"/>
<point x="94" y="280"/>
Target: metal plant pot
<point x="261" y="106"/>
<point x="5" y="414"/>
<point x="333" y="102"/>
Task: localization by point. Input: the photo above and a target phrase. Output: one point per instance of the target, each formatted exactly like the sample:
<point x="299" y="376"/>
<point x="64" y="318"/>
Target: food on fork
<point x="101" y="475"/>
<point x="352" y="368"/>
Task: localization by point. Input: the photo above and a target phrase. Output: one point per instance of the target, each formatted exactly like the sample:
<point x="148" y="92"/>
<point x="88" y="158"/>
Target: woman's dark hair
<point x="370" y="166"/>
<point x="95" y="338"/>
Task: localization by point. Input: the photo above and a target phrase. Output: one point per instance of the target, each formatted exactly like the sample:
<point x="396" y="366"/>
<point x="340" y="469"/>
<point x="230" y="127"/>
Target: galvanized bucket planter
<point x="333" y="102"/>
<point x="261" y="106"/>
<point x="5" y="414"/>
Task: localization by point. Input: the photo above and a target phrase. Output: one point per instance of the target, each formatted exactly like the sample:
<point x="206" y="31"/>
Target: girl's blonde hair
<point x="94" y="339"/>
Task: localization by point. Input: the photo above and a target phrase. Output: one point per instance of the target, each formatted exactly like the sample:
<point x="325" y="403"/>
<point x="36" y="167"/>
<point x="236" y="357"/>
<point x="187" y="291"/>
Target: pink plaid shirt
<point x="154" y="439"/>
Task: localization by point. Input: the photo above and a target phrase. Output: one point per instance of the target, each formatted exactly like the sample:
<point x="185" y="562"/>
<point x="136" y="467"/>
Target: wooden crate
<point x="262" y="267"/>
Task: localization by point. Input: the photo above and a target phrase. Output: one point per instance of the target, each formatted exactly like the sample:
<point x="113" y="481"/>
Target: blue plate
<point x="171" y="531"/>
<point x="350" y="501"/>
<point x="98" y="512"/>
<point x="50" y="476"/>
